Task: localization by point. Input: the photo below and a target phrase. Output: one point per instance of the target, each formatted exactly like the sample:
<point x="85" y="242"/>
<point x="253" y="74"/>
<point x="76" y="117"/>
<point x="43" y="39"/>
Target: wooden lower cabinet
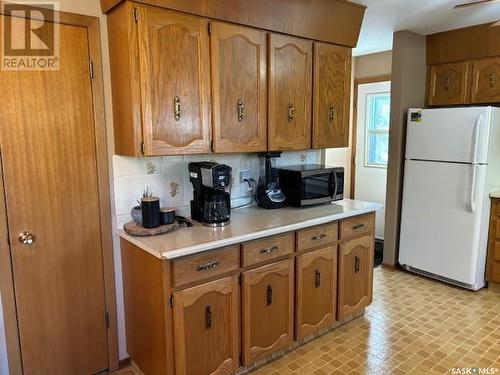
<point x="355" y="275"/>
<point x="493" y="265"/>
<point x="316" y="291"/>
<point x="206" y="321"/>
<point x="268" y="294"/>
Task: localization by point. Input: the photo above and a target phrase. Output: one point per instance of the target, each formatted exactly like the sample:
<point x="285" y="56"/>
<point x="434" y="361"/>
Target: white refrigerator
<point x="452" y="164"/>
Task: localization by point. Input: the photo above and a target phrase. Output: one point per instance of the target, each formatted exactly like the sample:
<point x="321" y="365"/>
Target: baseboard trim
<point x="390" y="267"/>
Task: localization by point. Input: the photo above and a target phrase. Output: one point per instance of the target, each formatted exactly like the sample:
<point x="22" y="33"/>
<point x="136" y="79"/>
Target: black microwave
<point x="310" y="184"/>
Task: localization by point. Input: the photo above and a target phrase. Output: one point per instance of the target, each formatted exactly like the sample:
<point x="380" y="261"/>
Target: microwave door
<point x="332" y="185"/>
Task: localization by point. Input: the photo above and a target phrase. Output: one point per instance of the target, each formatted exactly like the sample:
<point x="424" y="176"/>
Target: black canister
<point x="167" y="215"/>
<point x="150" y="212"/>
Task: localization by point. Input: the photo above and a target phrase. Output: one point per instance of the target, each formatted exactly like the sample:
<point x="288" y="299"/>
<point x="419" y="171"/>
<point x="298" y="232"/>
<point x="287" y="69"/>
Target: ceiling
<point x="383" y="17"/>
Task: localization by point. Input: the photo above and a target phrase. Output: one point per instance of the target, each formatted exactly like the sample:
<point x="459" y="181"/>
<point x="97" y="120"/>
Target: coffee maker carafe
<point x="211" y="204"/>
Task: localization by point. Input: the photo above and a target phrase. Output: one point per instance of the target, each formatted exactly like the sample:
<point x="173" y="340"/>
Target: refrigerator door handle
<point x="475" y="137"/>
<point x="472" y="200"/>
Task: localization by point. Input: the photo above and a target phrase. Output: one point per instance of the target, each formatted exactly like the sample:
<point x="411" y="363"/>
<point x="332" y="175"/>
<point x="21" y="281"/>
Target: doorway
<point x="372" y="149"/>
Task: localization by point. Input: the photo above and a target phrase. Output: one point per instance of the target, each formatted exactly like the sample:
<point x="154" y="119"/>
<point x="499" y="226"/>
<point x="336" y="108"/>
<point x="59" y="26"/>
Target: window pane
<point x="378" y="146"/>
<point x="379" y="111"/>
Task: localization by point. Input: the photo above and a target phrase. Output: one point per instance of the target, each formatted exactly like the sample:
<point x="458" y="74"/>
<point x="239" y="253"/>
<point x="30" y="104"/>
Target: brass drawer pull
<point x="332" y="114"/>
<point x="208" y="317"/>
<point x="317" y="279"/>
<point x="177" y="108"/>
<point x="269" y="295"/>
<point x="207" y="266"/>
<point x="241" y="110"/>
<point x="358" y="226"/>
<point x="319" y="237"/>
<point x="269" y="250"/>
<point x="446" y="83"/>
<point x="492" y="78"/>
<point x="291" y="112"/>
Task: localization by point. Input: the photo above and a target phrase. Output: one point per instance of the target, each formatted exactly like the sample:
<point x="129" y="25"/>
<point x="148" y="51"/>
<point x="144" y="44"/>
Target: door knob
<point x="26" y="238"/>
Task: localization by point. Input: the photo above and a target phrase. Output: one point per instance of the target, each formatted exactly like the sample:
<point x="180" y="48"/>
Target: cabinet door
<point x="316" y="290"/>
<point x="206" y="321"/>
<point x="290" y="83"/>
<point x="332" y="78"/>
<point x="175" y="82"/>
<point x="355" y="275"/>
<point x="267" y="310"/>
<point x="239" y="77"/>
<point x="486" y="81"/>
<point x="448" y="84"/>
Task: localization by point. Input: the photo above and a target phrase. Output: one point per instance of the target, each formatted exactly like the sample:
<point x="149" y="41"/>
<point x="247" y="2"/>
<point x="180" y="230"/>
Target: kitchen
<point x="228" y="114"/>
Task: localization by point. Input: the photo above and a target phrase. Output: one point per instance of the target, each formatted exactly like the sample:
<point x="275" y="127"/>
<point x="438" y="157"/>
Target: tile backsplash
<point x="168" y="178"/>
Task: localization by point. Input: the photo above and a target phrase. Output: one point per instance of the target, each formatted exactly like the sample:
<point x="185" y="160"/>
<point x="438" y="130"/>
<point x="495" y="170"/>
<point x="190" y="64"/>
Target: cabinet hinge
<point x="106" y="317"/>
<point x="91" y="69"/>
<point x="141" y="147"/>
<point x="212" y="146"/>
<point x="172" y="300"/>
<point x="209" y="28"/>
<point x="135" y="14"/>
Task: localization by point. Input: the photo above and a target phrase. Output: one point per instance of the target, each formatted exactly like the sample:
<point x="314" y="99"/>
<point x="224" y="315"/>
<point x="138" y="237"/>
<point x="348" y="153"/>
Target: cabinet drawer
<point x="199" y="267"/>
<point x="357" y="225"/>
<point x="317" y="236"/>
<point x="268" y="248"/>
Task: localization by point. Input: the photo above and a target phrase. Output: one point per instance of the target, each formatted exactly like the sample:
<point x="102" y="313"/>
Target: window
<point x="378" y="111"/>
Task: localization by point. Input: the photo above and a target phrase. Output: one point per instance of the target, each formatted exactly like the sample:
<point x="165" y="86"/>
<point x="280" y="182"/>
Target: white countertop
<point x="247" y="224"/>
<point x="495" y="194"/>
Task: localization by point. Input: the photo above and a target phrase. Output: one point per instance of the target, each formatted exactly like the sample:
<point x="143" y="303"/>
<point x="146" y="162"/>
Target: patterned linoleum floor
<point x="414" y="326"/>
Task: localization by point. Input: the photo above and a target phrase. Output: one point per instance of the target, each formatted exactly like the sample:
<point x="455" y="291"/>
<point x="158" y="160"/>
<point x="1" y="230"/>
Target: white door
<point x="458" y="135"/>
<point x="441" y="220"/>
<point x="372" y="146"/>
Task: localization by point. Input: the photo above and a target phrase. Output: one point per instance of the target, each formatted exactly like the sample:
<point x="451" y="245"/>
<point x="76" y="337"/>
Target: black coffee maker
<point x="211" y="204"/>
<point x="269" y="194"/>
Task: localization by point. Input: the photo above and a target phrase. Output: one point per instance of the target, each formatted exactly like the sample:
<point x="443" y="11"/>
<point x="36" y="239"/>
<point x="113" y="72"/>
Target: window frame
<point x="368" y="131"/>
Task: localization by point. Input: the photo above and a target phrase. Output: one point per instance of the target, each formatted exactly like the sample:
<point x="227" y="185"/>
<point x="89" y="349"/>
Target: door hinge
<point x="135" y="14"/>
<point x="209" y="28"/>
<point x="106" y="317"/>
<point x="141" y="147"/>
<point x="91" y="69"/>
<point x="172" y="300"/>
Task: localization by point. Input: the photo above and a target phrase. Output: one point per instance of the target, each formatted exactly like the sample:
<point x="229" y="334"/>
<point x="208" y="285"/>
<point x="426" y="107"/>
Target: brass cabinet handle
<point x="269" y="295"/>
<point x="241" y="110"/>
<point x="177" y="108"/>
<point x="26" y="238"/>
<point x="208" y="317"/>
<point x="291" y="112"/>
<point x="317" y="279"/>
<point x="356" y="264"/>
<point x="358" y="226"/>
<point x="446" y="83"/>
<point x="332" y="114"/>
<point x="207" y="266"/>
<point x="492" y="78"/>
<point x="269" y="250"/>
<point x="319" y="237"/>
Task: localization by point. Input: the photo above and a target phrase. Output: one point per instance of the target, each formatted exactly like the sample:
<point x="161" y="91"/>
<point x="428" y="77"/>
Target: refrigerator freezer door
<point x="441" y="219"/>
<point x="449" y="134"/>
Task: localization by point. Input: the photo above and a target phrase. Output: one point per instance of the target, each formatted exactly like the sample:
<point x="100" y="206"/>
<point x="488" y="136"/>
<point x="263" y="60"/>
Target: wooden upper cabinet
<point x="486" y="81"/>
<point x="316" y="291"/>
<point x="332" y="89"/>
<point x="290" y="90"/>
<point x="206" y="328"/>
<point x="448" y="84"/>
<point x="355" y="275"/>
<point x="175" y="82"/>
<point x="239" y="88"/>
<point x="268" y="293"/>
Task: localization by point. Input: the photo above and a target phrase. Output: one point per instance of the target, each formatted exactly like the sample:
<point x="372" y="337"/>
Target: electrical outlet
<point x="245" y="175"/>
